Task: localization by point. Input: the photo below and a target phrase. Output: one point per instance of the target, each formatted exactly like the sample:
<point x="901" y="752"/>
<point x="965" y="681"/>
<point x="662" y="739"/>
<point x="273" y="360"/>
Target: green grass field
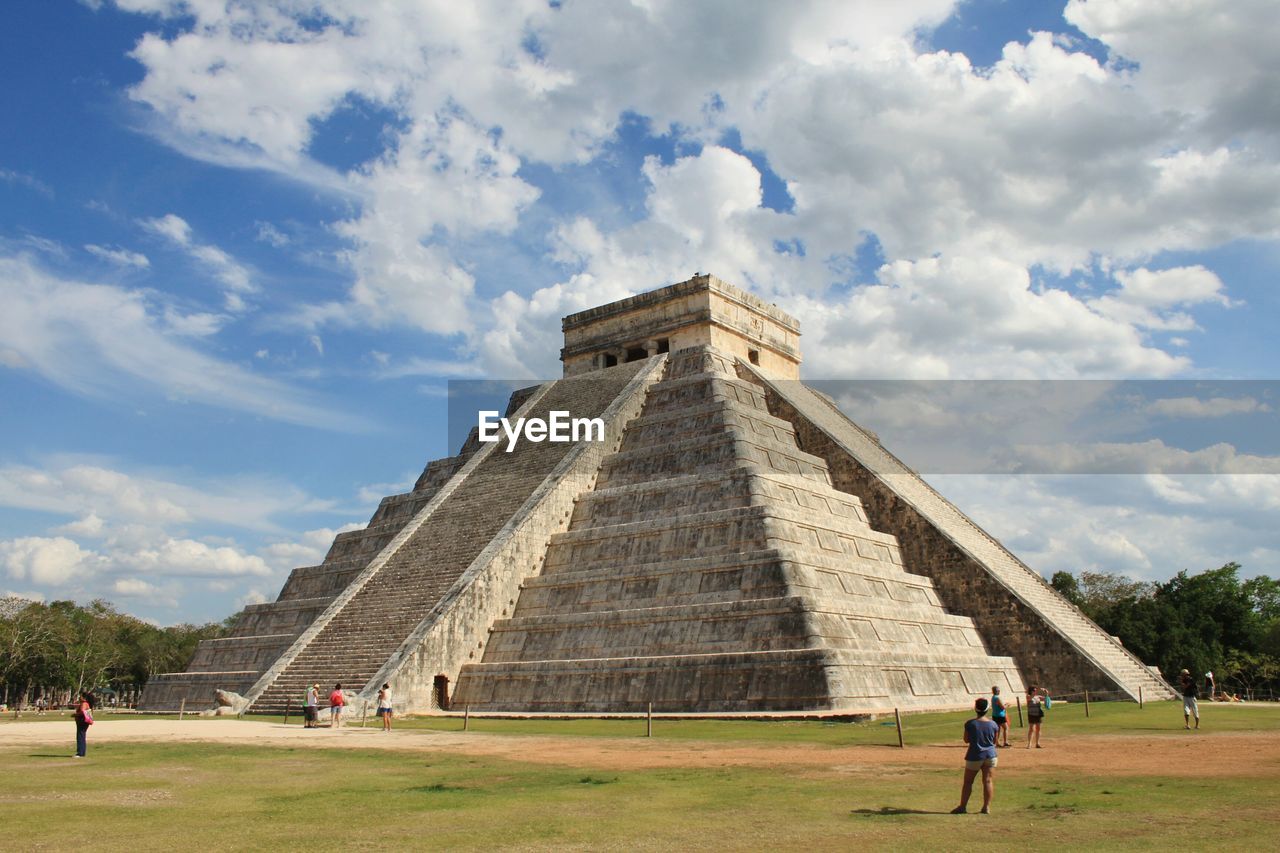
<point x="167" y="796"/>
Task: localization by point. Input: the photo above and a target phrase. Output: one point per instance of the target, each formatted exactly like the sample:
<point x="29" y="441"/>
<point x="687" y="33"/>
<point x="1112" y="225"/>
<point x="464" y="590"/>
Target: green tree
<point x="1067" y="586"/>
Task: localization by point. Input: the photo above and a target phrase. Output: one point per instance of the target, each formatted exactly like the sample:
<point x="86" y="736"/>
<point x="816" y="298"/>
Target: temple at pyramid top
<point x="701" y="311"/>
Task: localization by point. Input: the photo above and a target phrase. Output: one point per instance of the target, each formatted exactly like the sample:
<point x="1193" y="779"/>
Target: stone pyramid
<point x="734" y="543"/>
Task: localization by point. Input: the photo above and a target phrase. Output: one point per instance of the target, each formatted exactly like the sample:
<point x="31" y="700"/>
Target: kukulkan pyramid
<point x="734" y="543"/>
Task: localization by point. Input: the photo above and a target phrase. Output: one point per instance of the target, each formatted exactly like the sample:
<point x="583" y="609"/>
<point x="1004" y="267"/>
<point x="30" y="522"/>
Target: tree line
<point x="54" y="651"/>
<point x="1210" y="622"/>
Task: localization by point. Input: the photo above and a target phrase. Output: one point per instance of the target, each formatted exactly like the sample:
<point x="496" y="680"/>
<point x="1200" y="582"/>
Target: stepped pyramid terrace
<point x="734" y="544"/>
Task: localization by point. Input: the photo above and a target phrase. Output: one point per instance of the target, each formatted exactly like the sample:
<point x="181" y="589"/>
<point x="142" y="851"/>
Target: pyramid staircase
<point x="714" y="568"/>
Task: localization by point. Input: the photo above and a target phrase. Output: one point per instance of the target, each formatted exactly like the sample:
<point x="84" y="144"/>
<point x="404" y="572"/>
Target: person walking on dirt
<point x="1000" y="716"/>
<point x="336" y="701"/>
<point x="1037" y="700"/>
<point x="980" y="733"/>
<point x="1189" y="705"/>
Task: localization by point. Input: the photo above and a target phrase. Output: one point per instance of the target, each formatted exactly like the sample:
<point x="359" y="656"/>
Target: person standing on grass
<point x="1189" y="705"/>
<point x="1035" y="715"/>
<point x="980" y="733"/>
<point x="336" y="701"/>
<point x="1000" y="715"/>
<point x="384" y="706"/>
<point x="84" y="719"/>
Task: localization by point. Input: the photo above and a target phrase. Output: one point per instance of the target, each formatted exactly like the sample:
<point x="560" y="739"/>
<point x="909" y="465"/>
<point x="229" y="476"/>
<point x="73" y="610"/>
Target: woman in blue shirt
<point x="980" y="733"/>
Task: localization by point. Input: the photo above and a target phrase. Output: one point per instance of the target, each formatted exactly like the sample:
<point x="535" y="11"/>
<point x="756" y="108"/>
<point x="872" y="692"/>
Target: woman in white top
<point x="384" y="706"/>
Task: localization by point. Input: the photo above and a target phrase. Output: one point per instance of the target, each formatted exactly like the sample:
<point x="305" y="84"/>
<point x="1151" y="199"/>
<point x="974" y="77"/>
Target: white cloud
<point x="137" y="588"/>
<point x="1187" y="51"/>
<point x="11" y="176"/>
<point x="234" y="276"/>
<point x="90" y="526"/>
<point x="97" y="339"/>
<point x="1047" y="158"/>
<point x="118" y="256"/>
<point x="150" y="535"/>
<point x="943" y="317"/>
<point x="253" y="596"/>
<point x="1150" y="456"/>
<point x="1214" y="407"/>
<point x="1158" y="299"/>
<point x="170" y="226"/>
<point x="308" y="549"/>
<point x="198" y="325"/>
<point x="1148" y="527"/>
<point x="972" y="317"/>
<point x="188" y="557"/>
<point x="29" y="595"/>
<point x="268" y="233"/>
<point x="105" y="498"/>
<point x="43" y="560"/>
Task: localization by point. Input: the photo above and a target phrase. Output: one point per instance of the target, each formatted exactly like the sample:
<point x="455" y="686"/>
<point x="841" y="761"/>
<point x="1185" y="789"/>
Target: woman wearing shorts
<point x="980" y="733"/>
<point x="1035" y="715"/>
<point x="384" y="706"/>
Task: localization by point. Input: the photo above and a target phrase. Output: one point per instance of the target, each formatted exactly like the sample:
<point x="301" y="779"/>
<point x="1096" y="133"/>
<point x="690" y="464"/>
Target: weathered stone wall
<point x="168" y="691"/>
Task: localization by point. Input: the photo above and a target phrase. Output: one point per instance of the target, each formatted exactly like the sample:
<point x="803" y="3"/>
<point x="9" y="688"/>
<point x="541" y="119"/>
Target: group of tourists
<point x="985" y="734"/>
<point x="337" y="702"/>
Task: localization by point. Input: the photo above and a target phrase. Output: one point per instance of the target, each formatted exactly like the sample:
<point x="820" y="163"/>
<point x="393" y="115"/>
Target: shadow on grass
<point x="889" y="811"/>
<point x="50" y="755"/>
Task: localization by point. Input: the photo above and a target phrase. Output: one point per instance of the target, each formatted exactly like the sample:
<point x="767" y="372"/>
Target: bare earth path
<point x="1178" y="753"/>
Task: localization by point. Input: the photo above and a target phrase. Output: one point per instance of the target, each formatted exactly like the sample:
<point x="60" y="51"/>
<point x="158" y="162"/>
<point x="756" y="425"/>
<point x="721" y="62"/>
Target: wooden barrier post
<point x="648" y="722"/>
<point x="182" y="708"/>
<point x="897" y="721"/>
<point x="288" y="704"/>
<point x="1086" y="703"/>
<point x="364" y="715"/>
<point x="466" y="716"/>
<point x="1020" y="723"/>
<point x="1139" y="697"/>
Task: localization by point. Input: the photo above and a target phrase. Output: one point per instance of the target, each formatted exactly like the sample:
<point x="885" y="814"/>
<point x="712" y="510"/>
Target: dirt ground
<point x="1179" y="753"/>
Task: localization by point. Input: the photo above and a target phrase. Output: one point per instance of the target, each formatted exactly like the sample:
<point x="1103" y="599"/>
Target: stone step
<point x="712" y="418"/>
<point x="709" y="453"/>
<point x="677" y="394"/>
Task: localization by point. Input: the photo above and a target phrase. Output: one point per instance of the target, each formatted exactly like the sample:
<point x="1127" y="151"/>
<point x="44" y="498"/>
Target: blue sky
<point x="244" y="247"/>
